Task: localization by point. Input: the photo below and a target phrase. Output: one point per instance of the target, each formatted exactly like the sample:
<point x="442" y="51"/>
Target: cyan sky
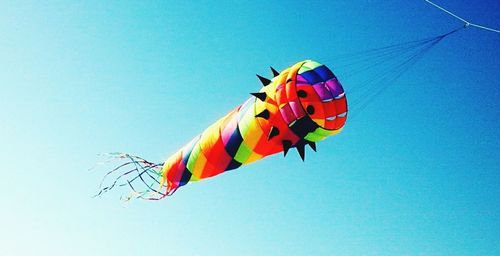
<point x="416" y="173"/>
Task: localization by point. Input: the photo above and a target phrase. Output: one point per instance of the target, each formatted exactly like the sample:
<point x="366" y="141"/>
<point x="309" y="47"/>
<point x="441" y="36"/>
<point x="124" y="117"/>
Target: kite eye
<point x="310" y="110"/>
<point x="302" y="94"/>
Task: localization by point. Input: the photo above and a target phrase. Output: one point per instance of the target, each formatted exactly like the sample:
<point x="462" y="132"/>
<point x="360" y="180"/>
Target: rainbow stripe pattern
<point x="299" y="106"/>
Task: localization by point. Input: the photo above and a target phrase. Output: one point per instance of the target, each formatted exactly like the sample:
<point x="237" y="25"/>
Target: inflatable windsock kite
<point x="299" y="106"/>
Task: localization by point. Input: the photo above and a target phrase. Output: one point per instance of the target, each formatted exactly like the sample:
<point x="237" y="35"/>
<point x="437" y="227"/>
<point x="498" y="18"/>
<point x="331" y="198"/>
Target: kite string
<point x="398" y="64"/>
<point x="467" y="23"/>
<point x="399" y="70"/>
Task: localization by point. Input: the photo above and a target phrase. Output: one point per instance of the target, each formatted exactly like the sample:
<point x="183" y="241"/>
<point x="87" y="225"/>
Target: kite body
<point x="299" y="106"/>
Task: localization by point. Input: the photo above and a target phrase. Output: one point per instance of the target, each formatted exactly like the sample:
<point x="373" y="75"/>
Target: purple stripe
<point x="335" y="87"/>
<point x="322" y="91"/>
<point x="287" y="114"/>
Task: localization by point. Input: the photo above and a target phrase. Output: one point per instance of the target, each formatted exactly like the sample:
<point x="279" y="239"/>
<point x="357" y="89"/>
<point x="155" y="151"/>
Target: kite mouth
<point x="331" y="118"/>
<point x="339" y="96"/>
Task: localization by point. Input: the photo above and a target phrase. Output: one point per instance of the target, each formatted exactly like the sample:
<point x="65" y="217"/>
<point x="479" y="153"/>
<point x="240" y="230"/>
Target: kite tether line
<point x="381" y="67"/>
<point x="375" y="70"/>
<point x="466" y="22"/>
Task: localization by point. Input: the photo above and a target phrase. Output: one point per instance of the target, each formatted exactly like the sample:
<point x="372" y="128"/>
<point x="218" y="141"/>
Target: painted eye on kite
<point x="302" y="94"/>
<point x="310" y="110"/>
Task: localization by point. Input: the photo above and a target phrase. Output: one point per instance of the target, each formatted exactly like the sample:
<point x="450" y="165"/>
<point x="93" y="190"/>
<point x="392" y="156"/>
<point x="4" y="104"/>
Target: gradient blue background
<point x="416" y="173"/>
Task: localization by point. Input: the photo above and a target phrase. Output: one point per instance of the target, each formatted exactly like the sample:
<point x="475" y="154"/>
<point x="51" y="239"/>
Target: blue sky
<point x="416" y="173"/>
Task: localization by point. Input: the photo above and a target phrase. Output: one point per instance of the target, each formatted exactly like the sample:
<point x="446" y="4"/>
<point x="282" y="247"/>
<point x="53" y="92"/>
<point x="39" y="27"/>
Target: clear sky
<point x="416" y="173"/>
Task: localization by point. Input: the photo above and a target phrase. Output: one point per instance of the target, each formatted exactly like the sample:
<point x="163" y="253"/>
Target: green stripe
<point x="313" y="137"/>
<point x="246" y="121"/>
<point x="193" y="157"/>
<point x="308" y="65"/>
<point x="243" y="153"/>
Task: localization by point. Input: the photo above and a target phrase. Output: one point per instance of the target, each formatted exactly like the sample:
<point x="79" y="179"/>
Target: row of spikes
<point x="262" y="95"/>
<point x="287" y="144"/>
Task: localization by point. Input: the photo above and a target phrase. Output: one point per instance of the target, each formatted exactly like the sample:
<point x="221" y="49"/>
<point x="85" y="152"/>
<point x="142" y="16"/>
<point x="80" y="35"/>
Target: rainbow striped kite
<point x="299" y="106"/>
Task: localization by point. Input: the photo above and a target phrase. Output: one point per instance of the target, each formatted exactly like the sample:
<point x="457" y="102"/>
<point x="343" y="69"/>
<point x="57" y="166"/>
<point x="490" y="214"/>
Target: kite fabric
<point x="299" y="106"/>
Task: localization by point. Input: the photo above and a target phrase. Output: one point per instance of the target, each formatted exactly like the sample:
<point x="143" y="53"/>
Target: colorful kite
<point x="300" y="106"/>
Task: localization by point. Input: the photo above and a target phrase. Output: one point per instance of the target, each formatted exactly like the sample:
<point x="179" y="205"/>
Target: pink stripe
<point x="228" y="130"/>
<point x="297" y="109"/>
<point x="301" y="80"/>
<point x="287" y="114"/>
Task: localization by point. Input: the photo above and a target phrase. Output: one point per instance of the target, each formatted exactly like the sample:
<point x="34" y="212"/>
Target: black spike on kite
<point x="275" y="72"/>
<point x="286" y="146"/>
<point x="312" y="145"/>
<point x="264" y="80"/>
<point x="259" y="95"/>
<point x="300" y="146"/>
<point x="264" y="114"/>
<point x="274" y="132"/>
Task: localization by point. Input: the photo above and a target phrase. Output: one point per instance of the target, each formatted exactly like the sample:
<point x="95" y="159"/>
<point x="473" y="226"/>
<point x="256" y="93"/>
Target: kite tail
<point x="144" y="178"/>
